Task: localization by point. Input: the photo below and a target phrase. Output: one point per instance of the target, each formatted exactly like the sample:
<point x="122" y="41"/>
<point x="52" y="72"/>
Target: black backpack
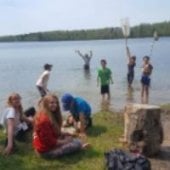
<point x="119" y="160"/>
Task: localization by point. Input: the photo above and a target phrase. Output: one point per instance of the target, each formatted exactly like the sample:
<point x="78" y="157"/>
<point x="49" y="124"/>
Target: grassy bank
<point x="103" y="136"/>
<point x="166" y="106"/>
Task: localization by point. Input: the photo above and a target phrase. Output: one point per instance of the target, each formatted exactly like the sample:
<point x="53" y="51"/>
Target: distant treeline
<point x="143" y="30"/>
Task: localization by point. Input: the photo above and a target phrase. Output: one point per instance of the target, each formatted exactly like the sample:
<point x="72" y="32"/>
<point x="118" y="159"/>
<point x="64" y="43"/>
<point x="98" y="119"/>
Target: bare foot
<point x="123" y="140"/>
<point x="86" y="146"/>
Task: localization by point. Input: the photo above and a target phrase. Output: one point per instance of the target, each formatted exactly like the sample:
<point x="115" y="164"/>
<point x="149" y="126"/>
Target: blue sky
<point x="25" y="16"/>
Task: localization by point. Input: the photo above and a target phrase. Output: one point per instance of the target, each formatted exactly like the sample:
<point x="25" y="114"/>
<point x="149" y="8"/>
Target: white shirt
<point x="43" y="79"/>
<point x="10" y="113"/>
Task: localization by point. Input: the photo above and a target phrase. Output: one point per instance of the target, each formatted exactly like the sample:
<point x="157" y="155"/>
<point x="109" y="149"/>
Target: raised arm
<point x="91" y="54"/>
<point x="128" y="52"/>
<point x="79" y="53"/>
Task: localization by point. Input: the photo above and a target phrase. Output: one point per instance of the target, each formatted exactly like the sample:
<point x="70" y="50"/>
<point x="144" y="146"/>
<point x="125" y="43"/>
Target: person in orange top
<point x="48" y="140"/>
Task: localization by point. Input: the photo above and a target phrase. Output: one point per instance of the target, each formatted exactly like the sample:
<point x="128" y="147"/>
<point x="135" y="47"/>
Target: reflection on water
<point x="21" y="64"/>
<point x="87" y="74"/>
<point x="105" y="105"/>
<point x="130" y="94"/>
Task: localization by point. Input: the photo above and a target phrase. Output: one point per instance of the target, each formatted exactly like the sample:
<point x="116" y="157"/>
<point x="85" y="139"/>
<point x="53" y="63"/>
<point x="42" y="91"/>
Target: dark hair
<point x="47" y="66"/>
<point x="103" y="61"/>
<point x="134" y="57"/>
<point x="146" y="57"/>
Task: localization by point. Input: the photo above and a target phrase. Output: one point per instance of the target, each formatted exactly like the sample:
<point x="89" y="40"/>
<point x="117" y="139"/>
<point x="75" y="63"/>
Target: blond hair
<point x="55" y="117"/>
<point x="10" y="103"/>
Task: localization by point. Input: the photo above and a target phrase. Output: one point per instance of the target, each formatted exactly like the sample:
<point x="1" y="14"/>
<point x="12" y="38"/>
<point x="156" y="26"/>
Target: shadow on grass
<point x="11" y="162"/>
<point x="78" y="156"/>
<point x="164" y="154"/>
<point x="96" y="130"/>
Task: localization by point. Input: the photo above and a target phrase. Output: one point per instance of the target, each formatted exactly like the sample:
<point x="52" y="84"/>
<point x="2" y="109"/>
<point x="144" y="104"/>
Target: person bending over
<point x="43" y="80"/>
<point x="80" y="112"/>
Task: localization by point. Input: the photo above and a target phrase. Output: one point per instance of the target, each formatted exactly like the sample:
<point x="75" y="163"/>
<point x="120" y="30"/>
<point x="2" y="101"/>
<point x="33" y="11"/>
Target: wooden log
<point x="143" y="130"/>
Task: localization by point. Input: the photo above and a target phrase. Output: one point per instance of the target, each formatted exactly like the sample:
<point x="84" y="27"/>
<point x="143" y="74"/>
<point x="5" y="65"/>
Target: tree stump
<point x="143" y="130"/>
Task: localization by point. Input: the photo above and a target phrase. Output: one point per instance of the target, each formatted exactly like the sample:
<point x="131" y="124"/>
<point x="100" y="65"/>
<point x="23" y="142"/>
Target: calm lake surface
<point x="21" y="64"/>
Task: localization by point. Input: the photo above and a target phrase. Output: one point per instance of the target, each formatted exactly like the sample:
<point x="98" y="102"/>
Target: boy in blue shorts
<point x="145" y="79"/>
<point x="80" y="112"/>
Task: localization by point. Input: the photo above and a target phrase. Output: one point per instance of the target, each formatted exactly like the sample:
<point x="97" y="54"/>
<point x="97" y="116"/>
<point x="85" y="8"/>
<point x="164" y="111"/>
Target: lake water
<point x="21" y="64"/>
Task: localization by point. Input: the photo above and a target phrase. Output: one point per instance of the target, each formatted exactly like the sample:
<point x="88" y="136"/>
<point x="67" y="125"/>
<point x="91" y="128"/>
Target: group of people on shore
<point x="46" y="122"/>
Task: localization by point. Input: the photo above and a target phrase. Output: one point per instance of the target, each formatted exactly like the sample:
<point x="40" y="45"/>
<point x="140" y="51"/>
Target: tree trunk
<point x="143" y="130"/>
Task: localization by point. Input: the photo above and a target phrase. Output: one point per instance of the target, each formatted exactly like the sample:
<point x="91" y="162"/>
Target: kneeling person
<point x="80" y="112"/>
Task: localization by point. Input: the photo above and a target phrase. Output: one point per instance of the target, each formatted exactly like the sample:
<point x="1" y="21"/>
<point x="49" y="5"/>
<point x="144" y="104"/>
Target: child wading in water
<point x="105" y="78"/>
<point x="86" y="57"/>
<point x="145" y="80"/>
<point x="42" y="81"/>
<point x="131" y="64"/>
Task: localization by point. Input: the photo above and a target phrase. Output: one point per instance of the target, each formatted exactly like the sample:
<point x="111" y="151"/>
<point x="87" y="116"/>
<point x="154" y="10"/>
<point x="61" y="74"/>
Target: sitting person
<point x="15" y="122"/>
<point x="48" y="140"/>
<point x="80" y="112"/>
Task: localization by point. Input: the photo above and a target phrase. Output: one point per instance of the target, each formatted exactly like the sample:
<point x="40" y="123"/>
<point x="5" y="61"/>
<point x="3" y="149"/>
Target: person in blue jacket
<point x="80" y="112"/>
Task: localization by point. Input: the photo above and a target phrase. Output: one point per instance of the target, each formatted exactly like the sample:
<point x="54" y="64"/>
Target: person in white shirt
<point x="42" y="81"/>
<point x="14" y="122"/>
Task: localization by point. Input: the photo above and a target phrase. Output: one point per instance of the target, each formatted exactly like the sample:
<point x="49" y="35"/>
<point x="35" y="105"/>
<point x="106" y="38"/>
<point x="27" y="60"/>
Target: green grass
<point x="166" y="106"/>
<point x="103" y="136"/>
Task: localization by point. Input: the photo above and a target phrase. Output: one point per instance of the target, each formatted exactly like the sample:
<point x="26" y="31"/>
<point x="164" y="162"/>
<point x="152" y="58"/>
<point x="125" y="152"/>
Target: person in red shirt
<point x="48" y="140"/>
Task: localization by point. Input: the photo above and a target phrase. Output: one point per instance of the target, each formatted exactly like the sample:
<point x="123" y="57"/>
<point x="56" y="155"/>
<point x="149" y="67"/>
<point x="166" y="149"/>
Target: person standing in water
<point x="131" y="64"/>
<point x="43" y="80"/>
<point x="86" y="57"/>
<point x="145" y="79"/>
<point x="104" y="77"/>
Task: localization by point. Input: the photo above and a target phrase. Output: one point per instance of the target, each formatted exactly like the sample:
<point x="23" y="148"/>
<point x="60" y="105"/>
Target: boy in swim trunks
<point x="145" y="79"/>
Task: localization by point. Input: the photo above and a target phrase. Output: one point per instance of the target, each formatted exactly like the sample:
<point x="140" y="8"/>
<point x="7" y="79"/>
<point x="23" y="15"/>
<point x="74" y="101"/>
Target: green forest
<point x="142" y="30"/>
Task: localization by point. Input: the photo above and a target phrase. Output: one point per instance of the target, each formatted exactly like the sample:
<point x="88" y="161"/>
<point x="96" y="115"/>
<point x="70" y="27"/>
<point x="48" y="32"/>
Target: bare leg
<point x="142" y="93"/>
<point x="147" y="94"/>
<point x="103" y="98"/>
<point x="108" y="96"/>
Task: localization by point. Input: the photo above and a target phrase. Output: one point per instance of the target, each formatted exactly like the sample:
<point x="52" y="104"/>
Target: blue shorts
<point x="145" y="80"/>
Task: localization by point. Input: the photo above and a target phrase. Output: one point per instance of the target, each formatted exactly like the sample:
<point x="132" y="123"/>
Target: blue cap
<point x="66" y="101"/>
